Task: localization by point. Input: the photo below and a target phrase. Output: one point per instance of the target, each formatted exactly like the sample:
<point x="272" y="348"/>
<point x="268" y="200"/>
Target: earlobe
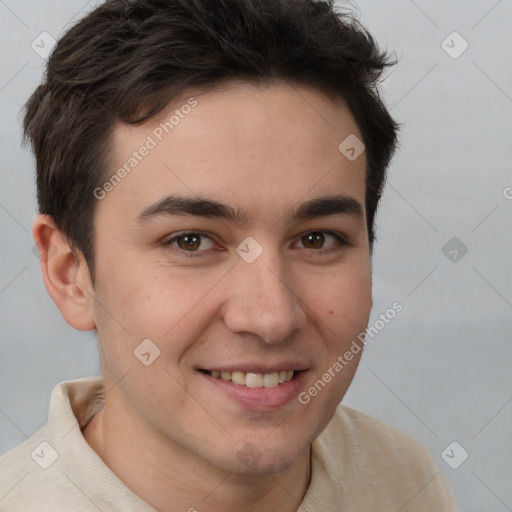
<point x="64" y="275"/>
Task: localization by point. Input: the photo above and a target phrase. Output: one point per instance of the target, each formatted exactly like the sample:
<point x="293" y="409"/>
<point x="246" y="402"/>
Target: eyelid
<point x="167" y="242"/>
<point x="341" y="238"/>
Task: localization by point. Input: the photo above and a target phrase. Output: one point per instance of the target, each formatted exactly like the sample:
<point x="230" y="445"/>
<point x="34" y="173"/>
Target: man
<point x="208" y="174"/>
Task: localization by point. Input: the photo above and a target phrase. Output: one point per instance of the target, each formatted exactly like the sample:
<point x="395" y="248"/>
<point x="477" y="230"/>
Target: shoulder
<point x="360" y="426"/>
<point x="383" y="464"/>
<point x="39" y="472"/>
<point x="19" y="471"/>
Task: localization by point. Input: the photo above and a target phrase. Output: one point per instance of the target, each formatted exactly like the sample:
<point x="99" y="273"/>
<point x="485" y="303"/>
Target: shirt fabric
<point x="359" y="464"/>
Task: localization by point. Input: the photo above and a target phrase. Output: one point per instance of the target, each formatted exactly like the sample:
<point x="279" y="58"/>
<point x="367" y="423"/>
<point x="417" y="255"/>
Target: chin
<point x="261" y="457"/>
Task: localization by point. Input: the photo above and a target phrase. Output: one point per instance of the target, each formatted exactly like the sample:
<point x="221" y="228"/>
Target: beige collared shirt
<point x="359" y="464"/>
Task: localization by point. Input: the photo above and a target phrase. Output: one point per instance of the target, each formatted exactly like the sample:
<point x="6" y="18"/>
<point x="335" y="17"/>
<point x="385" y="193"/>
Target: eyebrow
<point x="204" y="207"/>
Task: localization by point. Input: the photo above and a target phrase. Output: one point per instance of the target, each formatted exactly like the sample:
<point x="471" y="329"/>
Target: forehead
<point x="240" y="140"/>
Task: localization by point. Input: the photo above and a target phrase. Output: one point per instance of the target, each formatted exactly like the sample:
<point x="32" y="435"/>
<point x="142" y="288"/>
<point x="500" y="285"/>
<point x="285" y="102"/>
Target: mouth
<point x="253" y="379"/>
<point x="254" y="390"/>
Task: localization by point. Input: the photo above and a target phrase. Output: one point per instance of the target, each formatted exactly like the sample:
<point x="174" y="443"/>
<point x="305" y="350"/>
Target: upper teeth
<point x="256" y="380"/>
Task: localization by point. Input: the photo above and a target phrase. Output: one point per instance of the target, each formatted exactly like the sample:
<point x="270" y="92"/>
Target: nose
<point x="262" y="302"/>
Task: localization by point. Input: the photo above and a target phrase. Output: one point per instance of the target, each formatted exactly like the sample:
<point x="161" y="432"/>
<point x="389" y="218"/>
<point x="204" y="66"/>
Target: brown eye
<point x="189" y="242"/>
<point x="316" y="240"/>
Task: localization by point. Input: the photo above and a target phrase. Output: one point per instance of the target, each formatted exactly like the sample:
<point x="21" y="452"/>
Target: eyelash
<point x="340" y="238"/>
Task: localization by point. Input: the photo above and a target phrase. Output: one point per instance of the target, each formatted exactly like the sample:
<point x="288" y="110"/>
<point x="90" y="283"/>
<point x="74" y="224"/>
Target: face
<point x="261" y="289"/>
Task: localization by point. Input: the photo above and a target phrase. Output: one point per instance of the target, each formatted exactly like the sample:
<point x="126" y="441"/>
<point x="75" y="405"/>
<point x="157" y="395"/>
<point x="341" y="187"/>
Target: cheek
<point x="343" y="301"/>
<point x="355" y="304"/>
<point x="171" y="307"/>
<point x="344" y="310"/>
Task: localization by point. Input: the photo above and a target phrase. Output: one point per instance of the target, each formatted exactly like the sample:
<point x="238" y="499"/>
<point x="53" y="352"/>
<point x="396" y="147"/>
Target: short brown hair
<point x="127" y="59"/>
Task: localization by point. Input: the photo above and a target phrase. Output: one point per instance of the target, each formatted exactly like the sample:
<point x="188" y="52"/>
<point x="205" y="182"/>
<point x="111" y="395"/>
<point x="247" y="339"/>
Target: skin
<point x="265" y="150"/>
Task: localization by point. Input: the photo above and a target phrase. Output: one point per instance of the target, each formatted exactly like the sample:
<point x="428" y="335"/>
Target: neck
<point x="171" y="479"/>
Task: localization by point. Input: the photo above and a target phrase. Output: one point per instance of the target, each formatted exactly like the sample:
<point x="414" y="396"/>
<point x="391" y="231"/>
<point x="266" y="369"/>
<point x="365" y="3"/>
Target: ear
<point x="65" y="276"/>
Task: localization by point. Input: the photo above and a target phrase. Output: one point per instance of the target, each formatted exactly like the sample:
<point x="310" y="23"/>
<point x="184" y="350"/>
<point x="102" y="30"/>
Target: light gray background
<point x="441" y="368"/>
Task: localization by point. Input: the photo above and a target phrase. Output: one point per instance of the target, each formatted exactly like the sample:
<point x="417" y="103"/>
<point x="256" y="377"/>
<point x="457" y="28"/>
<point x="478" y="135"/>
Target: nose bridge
<point x="261" y="301"/>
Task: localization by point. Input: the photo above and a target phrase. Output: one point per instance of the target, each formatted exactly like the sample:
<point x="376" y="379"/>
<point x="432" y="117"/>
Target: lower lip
<point x="260" y="399"/>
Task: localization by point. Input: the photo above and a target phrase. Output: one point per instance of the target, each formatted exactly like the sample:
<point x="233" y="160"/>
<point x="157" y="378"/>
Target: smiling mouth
<point x="254" y="380"/>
